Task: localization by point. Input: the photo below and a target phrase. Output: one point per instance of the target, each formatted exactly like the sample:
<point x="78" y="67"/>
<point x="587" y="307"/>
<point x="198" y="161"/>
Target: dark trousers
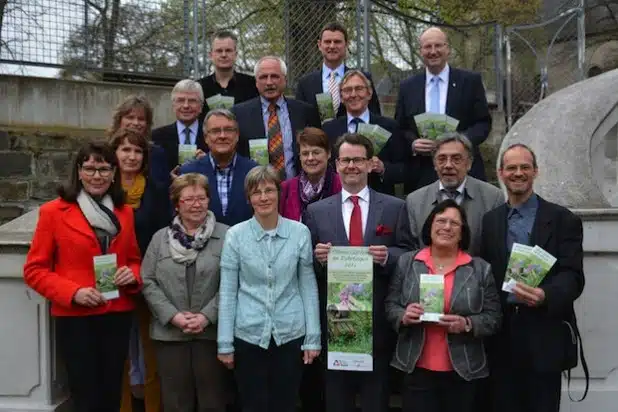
<point x="518" y="390"/>
<point x="372" y="387"/>
<point x="268" y="379"/>
<point x="192" y="378"/>
<point x="312" y="387"/>
<point x="94" y="350"/>
<point x="430" y="391"/>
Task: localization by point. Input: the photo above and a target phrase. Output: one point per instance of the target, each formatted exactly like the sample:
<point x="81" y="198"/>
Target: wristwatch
<point x="468" y="326"/>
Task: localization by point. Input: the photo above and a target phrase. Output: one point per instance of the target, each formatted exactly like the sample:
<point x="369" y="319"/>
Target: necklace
<point x="440" y="267"/>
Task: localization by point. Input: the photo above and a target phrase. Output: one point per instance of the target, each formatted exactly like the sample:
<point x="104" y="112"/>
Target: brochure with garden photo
<point x="433" y="125"/>
<point x="349" y="308"/>
<point x="186" y="153"/>
<point x="377" y="134"/>
<point x="220" y="102"/>
<point x="258" y="150"/>
<point x="104" y="269"/>
<point x="528" y="265"/>
<point x="325" y="106"/>
<point x="432" y="297"/>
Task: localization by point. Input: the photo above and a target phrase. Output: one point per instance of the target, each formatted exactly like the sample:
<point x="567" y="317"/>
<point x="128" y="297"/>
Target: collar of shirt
<point x="527" y="209"/>
<point x="216" y="167"/>
<point x="443" y="75"/>
<point x="364" y="117"/>
<point x="340" y="70"/>
<point x="213" y="76"/>
<point x="180" y="126"/>
<point x="461" y="189"/>
<point x="363" y="194"/>
<point x="265" y="103"/>
<point x="425" y="256"/>
<point x="281" y="230"/>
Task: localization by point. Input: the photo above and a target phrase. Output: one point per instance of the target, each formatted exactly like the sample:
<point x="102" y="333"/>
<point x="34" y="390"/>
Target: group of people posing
<point x="221" y="263"/>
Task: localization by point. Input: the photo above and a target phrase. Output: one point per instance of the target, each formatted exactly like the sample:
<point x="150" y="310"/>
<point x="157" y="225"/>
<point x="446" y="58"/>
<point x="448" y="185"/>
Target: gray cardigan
<point x="165" y="287"/>
<point x="474" y="295"/>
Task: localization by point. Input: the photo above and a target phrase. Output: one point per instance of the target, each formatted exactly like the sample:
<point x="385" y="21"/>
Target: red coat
<point x="60" y="260"/>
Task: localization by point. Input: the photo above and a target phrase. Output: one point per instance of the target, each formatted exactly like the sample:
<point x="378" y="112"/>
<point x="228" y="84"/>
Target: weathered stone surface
<point x="39" y="142"/>
<point x="566" y="131"/>
<point x="15" y="164"/>
<point x="5" y="140"/>
<point x="14" y="191"/>
<point x="53" y="165"/>
<point x="44" y="189"/>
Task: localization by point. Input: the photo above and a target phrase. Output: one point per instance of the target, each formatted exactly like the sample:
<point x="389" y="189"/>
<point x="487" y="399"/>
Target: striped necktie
<point x="333" y="89"/>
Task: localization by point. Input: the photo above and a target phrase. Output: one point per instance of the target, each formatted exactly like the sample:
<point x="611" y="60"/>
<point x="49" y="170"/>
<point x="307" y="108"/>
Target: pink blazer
<point x="290" y="205"/>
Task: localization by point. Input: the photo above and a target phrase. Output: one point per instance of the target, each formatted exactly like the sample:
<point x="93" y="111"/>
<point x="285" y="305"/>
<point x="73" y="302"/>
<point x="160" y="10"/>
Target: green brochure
<point x="258" y="150"/>
<point x="104" y="269"/>
<point x="186" y="153"/>
<point x="528" y="265"/>
<point x="432" y="125"/>
<point x="325" y="106"/>
<point x="432" y="297"/>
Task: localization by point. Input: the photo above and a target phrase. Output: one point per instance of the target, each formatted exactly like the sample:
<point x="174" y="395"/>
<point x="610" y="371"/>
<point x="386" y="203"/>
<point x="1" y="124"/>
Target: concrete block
<point x="11" y="191"/>
<point x="15" y="164"/>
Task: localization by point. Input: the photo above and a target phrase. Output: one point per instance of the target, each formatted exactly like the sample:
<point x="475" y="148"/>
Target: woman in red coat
<point x="93" y="319"/>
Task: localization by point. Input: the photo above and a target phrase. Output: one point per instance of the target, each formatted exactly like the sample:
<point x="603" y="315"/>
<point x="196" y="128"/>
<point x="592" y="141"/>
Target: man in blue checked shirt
<point x="225" y="169"/>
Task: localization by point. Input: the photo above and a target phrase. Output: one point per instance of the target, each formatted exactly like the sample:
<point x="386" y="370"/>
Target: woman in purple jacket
<point x="317" y="179"/>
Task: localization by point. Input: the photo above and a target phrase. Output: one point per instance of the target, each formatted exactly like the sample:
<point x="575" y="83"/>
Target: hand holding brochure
<point x="220" y="102"/>
<point x="433" y="125"/>
<point x="105" y="268"/>
<point x="528" y="265"/>
<point x="377" y="134"/>
<point x="186" y="153"/>
<point x="432" y="297"/>
<point x="325" y="106"/>
<point x="258" y="151"/>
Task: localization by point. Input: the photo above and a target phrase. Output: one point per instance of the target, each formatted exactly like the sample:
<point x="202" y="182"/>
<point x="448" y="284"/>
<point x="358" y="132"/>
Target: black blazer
<point x="167" y="138"/>
<point x="396" y="154"/>
<point x="537" y="335"/>
<point x="311" y="84"/>
<point x="465" y="100"/>
<point x="153" y="213"/>
<point x="251" y="123"/>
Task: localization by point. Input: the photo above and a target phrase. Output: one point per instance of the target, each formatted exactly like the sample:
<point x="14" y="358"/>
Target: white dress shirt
<point x="364" y="117"/>
<point x="180" y="126"/>
<point x="443" y="84"/>
<point x="460" y="192"/>
<point x="347" y="206"/>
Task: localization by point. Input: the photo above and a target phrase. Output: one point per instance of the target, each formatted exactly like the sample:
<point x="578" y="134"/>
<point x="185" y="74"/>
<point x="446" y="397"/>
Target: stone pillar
<point x="31" y="378"/>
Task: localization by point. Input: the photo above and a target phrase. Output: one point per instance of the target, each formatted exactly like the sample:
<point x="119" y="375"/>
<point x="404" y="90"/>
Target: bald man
<point x="441" y="89"/>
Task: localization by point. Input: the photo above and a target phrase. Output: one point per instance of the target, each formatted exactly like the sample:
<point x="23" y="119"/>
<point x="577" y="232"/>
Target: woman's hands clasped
<point x="453" y="323"/>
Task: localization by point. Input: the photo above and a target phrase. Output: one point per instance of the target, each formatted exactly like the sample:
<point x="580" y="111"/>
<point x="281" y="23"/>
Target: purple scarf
<point x="309" y="191"/>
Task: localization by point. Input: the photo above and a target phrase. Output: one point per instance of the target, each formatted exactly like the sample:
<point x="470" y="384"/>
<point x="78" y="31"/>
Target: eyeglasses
<point x="455" y="159"/>
<point x="218" y="130"/>
<point x="349" y="90"/>
<point x="268" y="192"/>
<point x="193" y="200"/>
<point x="91" y="171"/>
<point x="345" y="161"/>
<point x="315" y="153"/>
<point x="182" y="101"/>
<point x="442" y="222"/>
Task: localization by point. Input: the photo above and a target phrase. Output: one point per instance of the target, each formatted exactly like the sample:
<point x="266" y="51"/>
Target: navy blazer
<point x="311" y="84"/>
<point x="396" y="154"/>
<point x="465" y="100"/>
<point x="167" y="138"/>
<point x="238" y="207"/>
<point x="251" y="123"/>
<point x="153" y="213"/>
<point x="539" y="340"/>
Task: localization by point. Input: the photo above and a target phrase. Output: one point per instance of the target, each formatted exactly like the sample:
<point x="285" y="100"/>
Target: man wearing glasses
<point x="224" y="168"/>
<point x="360" y="216"/>
<point x="391" y="163"/>
<point x="452" y="160"/>
<point x="442" y="89"/>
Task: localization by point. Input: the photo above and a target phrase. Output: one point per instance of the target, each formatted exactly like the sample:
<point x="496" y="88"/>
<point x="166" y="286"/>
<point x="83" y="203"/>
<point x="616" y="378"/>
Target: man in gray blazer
<point x="452" y="160"/>
<point x="360" y="216"/>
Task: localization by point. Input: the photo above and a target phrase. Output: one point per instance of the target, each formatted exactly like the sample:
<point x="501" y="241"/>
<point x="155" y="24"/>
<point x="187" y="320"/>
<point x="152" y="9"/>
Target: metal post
<point x="499" y="66"/>
<point x="509" y="85"/>
<point x="581" y="40"/>
<point x="359" y="39"/>
<point x="286" y="25"/>
<point x="366" y="11"/>
<point x="186" y="65"/>
<point x="86" y="36"/>
<point x="204" y="40"/>
<point x="196" y="42"/>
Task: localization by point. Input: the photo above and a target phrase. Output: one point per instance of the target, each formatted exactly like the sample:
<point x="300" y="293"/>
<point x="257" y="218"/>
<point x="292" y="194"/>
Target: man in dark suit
<point x="359" y="216"/>
<point x="442" y="89"/>
<point x="225" y="80"/>
<point x="392" y="163"/>
<point x="333" y="44"/>
<point x="224" y="168"/>
<point x="187" y="100"/>
<point x="528" y="355"/>
<point x="274" y="118"/>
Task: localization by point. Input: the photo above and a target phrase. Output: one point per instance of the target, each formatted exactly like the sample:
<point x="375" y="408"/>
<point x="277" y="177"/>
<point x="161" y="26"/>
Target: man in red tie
<point x="360" y="216"/>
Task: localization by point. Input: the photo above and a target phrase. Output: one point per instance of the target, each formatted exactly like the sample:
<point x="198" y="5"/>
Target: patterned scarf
<point x="310" y="192"/>
<point x="184" y="247"/>
<point x="135" y="191"/>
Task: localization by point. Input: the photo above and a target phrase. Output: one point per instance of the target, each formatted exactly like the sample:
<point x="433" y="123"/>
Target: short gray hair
<point x="352" y="73"/>
<point x="284" y="67"/>
<point x="222" y="113"/>
<point x="454" y="137"/>
<point x="261" y="174"/>
<point x="188" y="86"/>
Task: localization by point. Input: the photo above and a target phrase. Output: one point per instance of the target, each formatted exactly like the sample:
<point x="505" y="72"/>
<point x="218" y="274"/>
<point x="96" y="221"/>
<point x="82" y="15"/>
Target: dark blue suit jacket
<point x="167" y="138"/>
<point x="154" y="212"/>
<point x="465" y="100"/>
<point x="238" y="208"/>
<point x="311" y="84"/>
<point x="396" y="154"/>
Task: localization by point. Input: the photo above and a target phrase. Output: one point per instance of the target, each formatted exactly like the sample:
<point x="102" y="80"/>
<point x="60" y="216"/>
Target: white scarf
<point x="95" y="215"/>
<point x="187" y="255"/>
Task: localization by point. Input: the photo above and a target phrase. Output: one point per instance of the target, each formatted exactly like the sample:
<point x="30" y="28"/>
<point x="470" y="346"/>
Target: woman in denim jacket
<point x="441" y="330"/>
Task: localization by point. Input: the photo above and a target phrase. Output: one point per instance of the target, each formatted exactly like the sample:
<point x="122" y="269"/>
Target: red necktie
<point x="356" y="224"/>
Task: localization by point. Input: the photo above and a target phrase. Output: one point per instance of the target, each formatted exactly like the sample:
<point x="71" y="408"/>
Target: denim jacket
<point x="474" y="295"/>
<point x="268" y="291"/>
